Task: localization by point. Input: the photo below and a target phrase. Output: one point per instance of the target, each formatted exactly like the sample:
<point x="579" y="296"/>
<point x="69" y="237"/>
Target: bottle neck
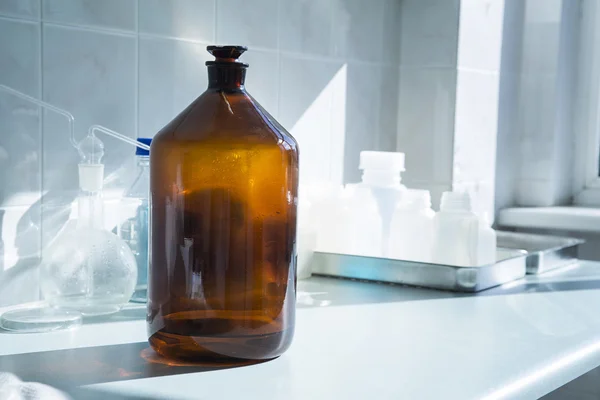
<point x="228" y="76"/>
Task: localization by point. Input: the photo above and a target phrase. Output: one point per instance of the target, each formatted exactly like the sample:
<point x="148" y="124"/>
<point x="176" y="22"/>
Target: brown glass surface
<point x="224" y="180"/>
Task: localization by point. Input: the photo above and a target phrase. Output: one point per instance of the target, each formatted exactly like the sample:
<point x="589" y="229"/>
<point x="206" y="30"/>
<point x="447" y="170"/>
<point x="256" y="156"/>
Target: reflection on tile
<point x="183" y="77"/>
<point x="357" y="29"/>
<point x="29" y="9"/>
<point x="480" y="36"/>
<point x="252" y="23"/>
<point x="117" y="14"/>
<point x="305" y="26"/>
<point x="262" y="78"/>
<point x="305" y="109"/>
<point x="20" y="143"/>
<point x="188" y="19"/>
<point x="426" y="123"/>
<point x="92" y="75"/>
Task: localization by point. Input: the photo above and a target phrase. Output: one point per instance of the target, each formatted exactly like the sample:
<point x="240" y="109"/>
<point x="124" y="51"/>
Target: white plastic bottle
<point x="411" y="230"/>
<point x="381" y="174"/>
<point x="364" y="227"/>
<point x="349" y="223"/>
<point x="460" y="238"/>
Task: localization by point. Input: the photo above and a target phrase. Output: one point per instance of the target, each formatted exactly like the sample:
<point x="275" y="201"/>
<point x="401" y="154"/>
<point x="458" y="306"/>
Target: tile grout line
<point x="18" y="18"/>
<point x="88" y="28"/>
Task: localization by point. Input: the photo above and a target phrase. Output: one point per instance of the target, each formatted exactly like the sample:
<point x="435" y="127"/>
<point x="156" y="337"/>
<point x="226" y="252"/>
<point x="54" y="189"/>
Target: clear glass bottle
<point x="224" y="187"/>
<point x="134" y="230"/>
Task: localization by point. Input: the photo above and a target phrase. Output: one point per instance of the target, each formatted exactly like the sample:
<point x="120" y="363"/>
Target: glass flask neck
<point x="227" y="76"/>
<point x="90" y="209"/>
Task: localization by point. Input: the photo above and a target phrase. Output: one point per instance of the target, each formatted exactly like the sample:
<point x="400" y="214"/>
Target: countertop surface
<point x="353" y="340"/>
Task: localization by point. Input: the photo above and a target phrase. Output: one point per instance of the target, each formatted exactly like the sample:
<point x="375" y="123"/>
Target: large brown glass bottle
<point x="224" y="181"/>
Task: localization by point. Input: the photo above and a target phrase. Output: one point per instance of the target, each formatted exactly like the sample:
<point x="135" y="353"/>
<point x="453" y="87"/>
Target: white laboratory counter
<point x="355" y="341"/>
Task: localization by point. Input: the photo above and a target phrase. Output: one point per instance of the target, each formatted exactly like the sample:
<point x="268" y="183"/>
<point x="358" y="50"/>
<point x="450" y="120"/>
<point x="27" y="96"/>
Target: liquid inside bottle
<point x="224" y="181"/>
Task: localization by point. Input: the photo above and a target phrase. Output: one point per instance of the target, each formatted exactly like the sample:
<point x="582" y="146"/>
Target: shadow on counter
<point x="65" y="369"/>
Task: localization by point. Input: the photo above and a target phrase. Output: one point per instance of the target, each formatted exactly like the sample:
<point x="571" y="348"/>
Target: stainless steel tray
<point x="510" y="266"/>
<point x="544" y="253"/>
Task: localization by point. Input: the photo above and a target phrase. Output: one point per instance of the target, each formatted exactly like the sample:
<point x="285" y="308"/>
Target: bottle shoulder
<point x="229" y="117"/>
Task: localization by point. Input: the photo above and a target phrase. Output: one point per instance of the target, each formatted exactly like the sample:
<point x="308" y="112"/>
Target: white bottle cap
<point x="456" y="201"/>
<point x="91" y="177"/>
<point x="382" y="160"/>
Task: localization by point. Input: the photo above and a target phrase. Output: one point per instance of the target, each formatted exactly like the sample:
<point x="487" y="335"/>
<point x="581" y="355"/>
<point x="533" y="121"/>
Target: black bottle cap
<point x="226" y="55"/>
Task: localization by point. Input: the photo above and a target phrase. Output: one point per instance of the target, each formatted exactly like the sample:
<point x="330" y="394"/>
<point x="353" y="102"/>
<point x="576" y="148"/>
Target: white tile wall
<point x="20" y="137"/>
<point x="306" y="111"/>
<point x="427" y="92"/>
<point x="362" y="114"/>
<point x="480" y="37"/>
<point x="92" y="74"/>
<point x="182" y="79"/>
<point x="429" y="33"/>
<point x="253" y="23"/>
<point x="310" y="31"/>
<point x="28" y="9"/>
<point x="115" y="14"/>
<point x="507" y="164"/>
<point x="327" y="69"/>
<point x="538" y="193"/>
<point x="20" y="61"/>
<point x="187" y="19"/>
<point x="426" y="124"/>
<point x="477" y="101"/>
<point x="545" y="103"/>
<point x="358" y="29"/>
<point x="476" y="126"/>
<point x="263" y="79"/>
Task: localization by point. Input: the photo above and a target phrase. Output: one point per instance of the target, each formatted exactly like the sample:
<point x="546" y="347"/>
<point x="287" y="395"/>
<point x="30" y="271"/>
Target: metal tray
<point x="544" y="253"/>
<point x="510" y="266"/>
